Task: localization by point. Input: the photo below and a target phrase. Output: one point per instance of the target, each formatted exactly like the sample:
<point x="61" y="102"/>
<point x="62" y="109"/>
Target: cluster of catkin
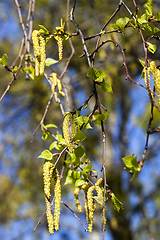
<point x="90" y="205"/>
<point x="50" y="172"/>
<point x="56" y="83"/>
<point x="59" y="39"/>
<point x="156" y="77"/>
<point x="66" y="130"/>
<point x="39" y="52"/>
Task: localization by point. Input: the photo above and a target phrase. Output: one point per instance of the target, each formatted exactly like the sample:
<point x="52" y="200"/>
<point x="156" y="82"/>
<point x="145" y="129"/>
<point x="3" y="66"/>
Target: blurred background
<point x="21" y="180"/>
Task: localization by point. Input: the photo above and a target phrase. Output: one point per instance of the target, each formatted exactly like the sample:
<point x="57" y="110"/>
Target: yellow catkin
<point x="59" y="84"/>
<point x="56" y="82"/>
<point x="156" y="76"/>
<point x="99" y="190"/>
<point x="85" y="188"/>
<point x="148" y="84"/>
<point x="91" y="207"/>
<point x="35" y="39"/>
<point x="66" y="132"/>
<point x="105" y="218"/>
<point x="76" y="192"/>
<point x="152" y="67"/>
<point x="42" y="54"/>
<point x="60" y="46"/>
<point x="74" y="127"/>
<point x="47" y="177"/>
<point x="37" y="67"/>
<point x="36" y="47"/>
<point x="57" y="190"/>
<point x="100" y="193"/>
<point x="49" y="216"/>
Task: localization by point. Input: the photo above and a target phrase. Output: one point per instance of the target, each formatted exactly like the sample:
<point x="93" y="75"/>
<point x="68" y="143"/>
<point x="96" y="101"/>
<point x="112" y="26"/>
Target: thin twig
<point x="75" y="215"/>
<point x="43" y="117"/>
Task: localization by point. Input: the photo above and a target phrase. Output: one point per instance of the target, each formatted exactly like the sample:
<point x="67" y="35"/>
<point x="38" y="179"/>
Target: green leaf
<point x="79" y="183"/>
<point x="143" y="74"/>
<point x="150" y="29"/>
<point x="99" y="200"/>
<point x="76" y="175"/>
<point x="148" y="7"/>
<point x="50" y="61"/>
<point x="151" y="47"/>
<point x="79" y="152"/>
<point x="87" y="168"/>
<point x="117" y="205"/>
<point x="79" y="136"/>
<point x="103" y="32"/>
<point x="142" y="20"/>
<point x="85" y="106"/>
<point x="46" y="135"/>
<point x="75" y="161"/>
<point x="106" y="87"/>
<point x="100" y="117"/>
<point x="46" y="154"/>
<point x="43" y="30"/>
<point x="158" y="16"/>
<point x="30" y="71"/>
<point x="142" y="62"/>
<point x="115" y="26"/>
<point x="15" y="69"/>
<point x="3" y="60"/>
<point x="96" y="74"/>
<point x="79" y="121"/>
<point x="132" y="166"/>
<point x="72" y="176"/>
<point x="53" y="145"/>
<point x="122" y="22"/>
<point x="50" y="125"/>
<point x="69" y="178"/>
<point x="82" y="122"/>
<point x="47" y="39"/>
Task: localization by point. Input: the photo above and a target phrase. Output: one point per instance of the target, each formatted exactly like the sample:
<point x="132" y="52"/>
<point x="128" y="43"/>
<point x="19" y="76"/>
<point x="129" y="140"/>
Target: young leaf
<point x="158" y="16"/>
<point x="53" y="145"/>
<point x="80" y="136"/>
<point x="99" y="199"/>
<point x="79" y="152"/>
<point x="85" y="106"/>
<point x="74" y="159"/>
<point x="50" y="61"/>
<point x="106" y="87"/>
<point x="150" y="29"/>
<point x="151" y="47"/>
<point x="30" y="71"/>
<point x="15" y="69"/>
<point x="100" y="117"/>
<point x="79" y="121"/>
<point x="69" y="178"/>
<point x="96" y="74"/>
<point x="122" y="22"/>
<point x="3" y="60"/>
<point x="142" y="62"/>
<point x="117" y="205"/>
<point x="50" y="125"/>
<point x="82" y="122"/>
<point x="46" y="154"/>
<point x="72" y="176"/>
<point x="79" y="182"/>
<point x="46" y="135"/>
<point x="43" y="30"/>
<point x="132" y="166"/>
